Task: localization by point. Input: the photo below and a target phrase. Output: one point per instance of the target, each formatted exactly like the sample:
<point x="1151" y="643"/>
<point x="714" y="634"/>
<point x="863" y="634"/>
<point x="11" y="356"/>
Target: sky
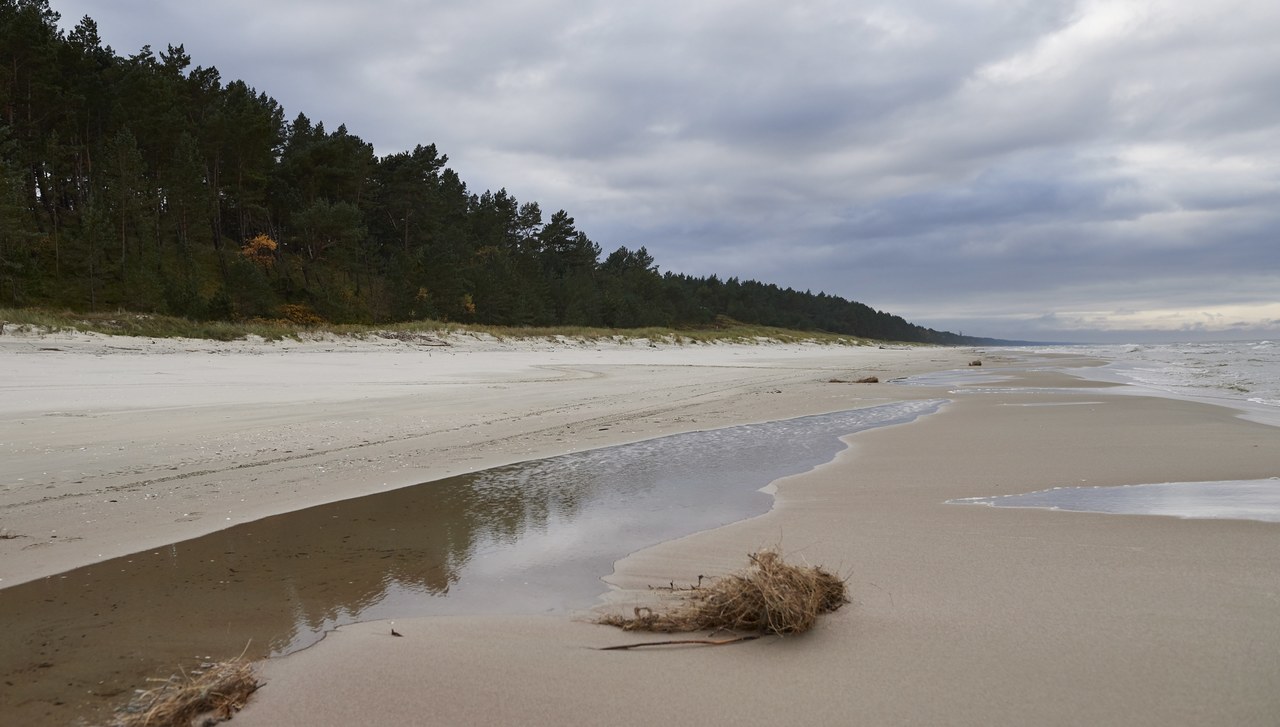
<point x="1088" y="170"/>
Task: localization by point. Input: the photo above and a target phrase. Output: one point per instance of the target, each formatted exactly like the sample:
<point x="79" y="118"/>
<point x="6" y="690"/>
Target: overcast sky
<point x="1042" y="169"/>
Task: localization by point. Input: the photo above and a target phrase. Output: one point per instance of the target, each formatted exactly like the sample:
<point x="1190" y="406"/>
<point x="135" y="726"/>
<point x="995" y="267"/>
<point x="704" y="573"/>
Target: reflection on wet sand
<point x="1223" y="499"/>
<point x="525" y="538"/>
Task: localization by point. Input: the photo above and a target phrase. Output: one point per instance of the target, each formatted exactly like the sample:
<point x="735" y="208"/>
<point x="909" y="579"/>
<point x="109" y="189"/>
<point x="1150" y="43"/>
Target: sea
<point x="1240" y="374"/>
<point x="1243" y="375"/>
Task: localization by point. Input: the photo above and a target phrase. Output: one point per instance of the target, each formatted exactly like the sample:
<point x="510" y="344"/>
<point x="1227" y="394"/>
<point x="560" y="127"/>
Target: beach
<point x="960" y="614"/>
<point x="111" y="446"/>
<point x="188" y="437"/>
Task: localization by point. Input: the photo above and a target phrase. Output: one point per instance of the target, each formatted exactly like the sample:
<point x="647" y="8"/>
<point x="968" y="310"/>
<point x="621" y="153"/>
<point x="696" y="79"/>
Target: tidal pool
<point x="1224" y="499"/>
<point x="533" y="537"/>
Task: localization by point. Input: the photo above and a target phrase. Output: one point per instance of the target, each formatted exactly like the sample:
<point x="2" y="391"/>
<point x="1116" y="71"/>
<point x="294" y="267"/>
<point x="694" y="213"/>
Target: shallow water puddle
<point x="1226" y="499"/>
<point x="527" y="538"/>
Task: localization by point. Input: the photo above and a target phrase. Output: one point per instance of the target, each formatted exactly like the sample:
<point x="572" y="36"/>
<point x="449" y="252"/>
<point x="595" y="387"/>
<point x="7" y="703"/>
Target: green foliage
<point x="139" y="181"/>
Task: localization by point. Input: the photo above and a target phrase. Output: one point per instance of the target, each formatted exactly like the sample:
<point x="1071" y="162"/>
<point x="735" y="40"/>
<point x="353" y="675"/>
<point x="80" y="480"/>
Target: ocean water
<point x="1241" y="373"/>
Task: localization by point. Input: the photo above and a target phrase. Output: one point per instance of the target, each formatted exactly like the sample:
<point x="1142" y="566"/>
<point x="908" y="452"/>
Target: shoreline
<point x="1114" y="373"/>
<point x="960" y="615"/>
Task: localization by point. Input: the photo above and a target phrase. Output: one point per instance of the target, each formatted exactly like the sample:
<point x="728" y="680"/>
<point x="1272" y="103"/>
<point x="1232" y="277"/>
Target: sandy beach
<point x="961" y="614"/>
<point x="110" y="445"/>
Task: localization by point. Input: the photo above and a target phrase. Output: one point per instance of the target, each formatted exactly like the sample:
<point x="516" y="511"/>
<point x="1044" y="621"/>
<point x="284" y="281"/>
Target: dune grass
<point x="150" y="325"/>
<point x="146" y="325"/>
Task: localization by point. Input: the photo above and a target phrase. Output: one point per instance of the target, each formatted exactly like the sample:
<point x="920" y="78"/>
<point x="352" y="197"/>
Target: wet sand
<point x="113" y="446"/>
<point x="962" y="615"/>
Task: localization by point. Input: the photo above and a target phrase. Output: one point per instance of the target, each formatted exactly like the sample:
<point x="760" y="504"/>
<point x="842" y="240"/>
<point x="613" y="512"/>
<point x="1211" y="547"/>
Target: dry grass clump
<point x="216" y="694"/>
<point x="771" y="596"/>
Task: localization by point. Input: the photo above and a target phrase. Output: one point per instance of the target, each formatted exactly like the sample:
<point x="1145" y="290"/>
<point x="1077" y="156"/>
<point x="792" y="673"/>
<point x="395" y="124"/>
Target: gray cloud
<point x="1002" y="168"/>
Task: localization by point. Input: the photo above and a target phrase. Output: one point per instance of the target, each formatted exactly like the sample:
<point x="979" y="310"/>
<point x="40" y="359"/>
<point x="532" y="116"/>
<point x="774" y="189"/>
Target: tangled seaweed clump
<point x="771" y="597"/>
<point x="216" y="693"/>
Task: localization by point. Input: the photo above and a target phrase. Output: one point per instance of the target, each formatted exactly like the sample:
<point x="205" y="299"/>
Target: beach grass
<point x="150" y="325"/>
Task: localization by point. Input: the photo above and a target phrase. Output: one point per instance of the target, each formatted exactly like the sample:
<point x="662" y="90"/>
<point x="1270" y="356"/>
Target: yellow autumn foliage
<point x="260" y="249"/>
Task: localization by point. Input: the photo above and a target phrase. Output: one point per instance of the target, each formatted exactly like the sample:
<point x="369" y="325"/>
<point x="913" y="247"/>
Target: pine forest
<point x="147" y="183"/>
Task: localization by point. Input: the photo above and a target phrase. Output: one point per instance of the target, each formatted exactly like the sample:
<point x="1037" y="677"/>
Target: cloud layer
<point x="1035" y="169"/>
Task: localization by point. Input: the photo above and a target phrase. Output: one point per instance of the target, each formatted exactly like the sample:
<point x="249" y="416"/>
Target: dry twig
<point x="673" y="642"/>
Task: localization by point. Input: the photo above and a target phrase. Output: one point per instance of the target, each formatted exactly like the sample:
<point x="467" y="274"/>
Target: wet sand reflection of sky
<point x="1224" y="499"/>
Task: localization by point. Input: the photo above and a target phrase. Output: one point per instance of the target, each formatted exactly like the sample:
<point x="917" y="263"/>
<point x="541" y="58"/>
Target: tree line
<point x="146" y="183"/>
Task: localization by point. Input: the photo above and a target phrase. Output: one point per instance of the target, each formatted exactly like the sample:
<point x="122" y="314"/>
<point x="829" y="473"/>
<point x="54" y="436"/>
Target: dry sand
<point x="961" y="614"/>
